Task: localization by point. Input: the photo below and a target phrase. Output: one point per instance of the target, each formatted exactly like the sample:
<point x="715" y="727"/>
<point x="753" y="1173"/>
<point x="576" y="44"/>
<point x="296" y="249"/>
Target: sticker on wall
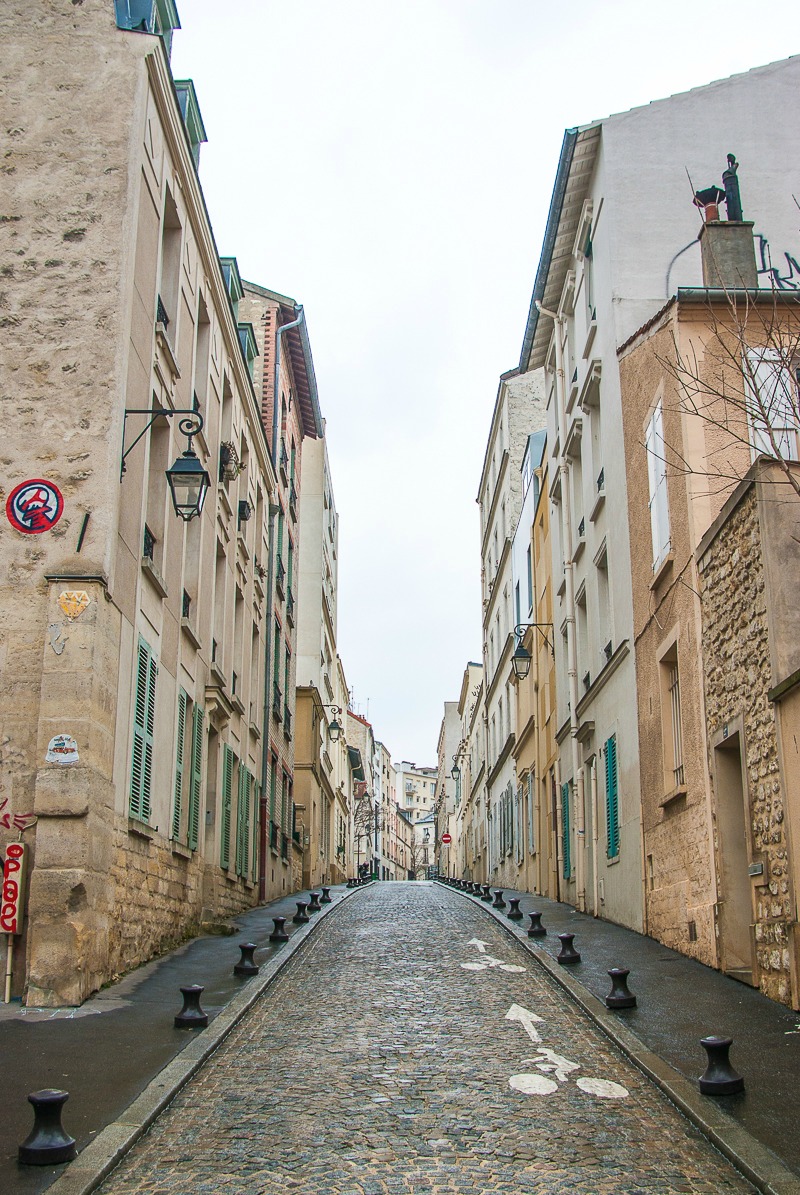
<point x="62" y="749"/>
<point x="35" y="506"/>
<point x="56" y="638"/>
<point x="73" y="602"/>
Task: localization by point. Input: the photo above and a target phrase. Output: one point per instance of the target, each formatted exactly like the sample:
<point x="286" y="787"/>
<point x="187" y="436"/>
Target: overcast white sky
<point x="390" y="165"/>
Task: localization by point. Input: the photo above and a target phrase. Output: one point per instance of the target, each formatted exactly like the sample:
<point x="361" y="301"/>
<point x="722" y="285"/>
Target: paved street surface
<point x="384" y="1059"/>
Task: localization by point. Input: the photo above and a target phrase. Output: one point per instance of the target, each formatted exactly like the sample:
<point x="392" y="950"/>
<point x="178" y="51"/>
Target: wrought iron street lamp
<point x="335" y="726"/>
<point x="521" y="659"/>
<point x="187" y="479"/>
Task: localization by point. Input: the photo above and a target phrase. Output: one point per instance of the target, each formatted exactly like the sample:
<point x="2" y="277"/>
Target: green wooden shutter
<point x="566" y="837"/>
<point x="180" y="738"/>
<point x="612" y="797"/>
<point x="144" y="711"/>
<point x="225" y="822"/>
<point x="195" y="777"/>
<point x="256" y="824"/>
<point x="243" y="821"/>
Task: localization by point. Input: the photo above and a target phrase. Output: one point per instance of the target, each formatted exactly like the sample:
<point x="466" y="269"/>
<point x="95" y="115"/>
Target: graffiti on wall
<point x="781" y="277"/>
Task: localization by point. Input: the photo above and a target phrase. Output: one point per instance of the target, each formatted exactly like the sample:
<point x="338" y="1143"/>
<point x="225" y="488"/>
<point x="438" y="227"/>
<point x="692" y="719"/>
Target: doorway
<point x="735" y="889"/>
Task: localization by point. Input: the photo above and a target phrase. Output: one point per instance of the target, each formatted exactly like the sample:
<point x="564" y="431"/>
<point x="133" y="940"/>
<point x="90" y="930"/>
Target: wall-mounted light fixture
<point x="335" y="726"/>
<point x="187" y="479"/>
<point x="521" y="659"/>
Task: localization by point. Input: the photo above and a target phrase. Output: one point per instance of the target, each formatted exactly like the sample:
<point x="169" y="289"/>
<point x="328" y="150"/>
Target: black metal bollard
<point x="47" y="1144"/>
<point x="487" y="893"/>
<point x="514" y="913"/>
<point x="301" y="916"/>
<point x="719" y="1077"/>
<point x="619" y="996"/>
<point x="350" y="883"/>
<point x="568" y="953"/>
<point x="279" y="933"/>
<point x="499" y="903"/>
<point x="326" y="897"/>
<point x="191" y="1015"/>
<point x="246" y="964"/>
<point x="313" y="903"/>
<point x="536" y="930"/>
<point x="476" y="889"/>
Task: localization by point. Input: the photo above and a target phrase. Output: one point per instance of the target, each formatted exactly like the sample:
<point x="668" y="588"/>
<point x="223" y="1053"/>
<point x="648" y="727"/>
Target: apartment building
<point x="416" y="797"/>
<point x="518" y="411"/>
<point x="713" y="507"/>
<point x="447" y="789"/>
<point x="283" y="372"/>
<point x="471" y="784"/>
<point x="617" y="245"/>
<point x="135" y="613"/>
<point x="366" y="833"/>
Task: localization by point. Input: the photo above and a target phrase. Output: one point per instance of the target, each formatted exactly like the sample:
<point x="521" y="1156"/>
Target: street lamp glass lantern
<point x="521" y="662"/>
<point x="334" y="730"/>
<point x="188" y="485"/>
<point x="455" y="771"/>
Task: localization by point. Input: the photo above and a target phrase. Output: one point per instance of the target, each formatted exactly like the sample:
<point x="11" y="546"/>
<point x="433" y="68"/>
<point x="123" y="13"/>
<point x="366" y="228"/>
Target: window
<point x="228" y="761"/>
<point x="657" y="478"/>
<point x="565" y="832"/>
<point x="144" y="716"/>
<point x="180" y="740"/>
<point x="612" y="798"/>
<point x="671" y="731"/>
<point x="772" y="399"/>
<point x="531" y="815"/>
<point x="530" y="579"/>
<point x="195" y="773"/>
<point x="243" y="822"/>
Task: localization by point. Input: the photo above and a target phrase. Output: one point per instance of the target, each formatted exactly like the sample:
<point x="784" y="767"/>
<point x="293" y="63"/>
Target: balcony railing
<point x="148" y="543"/>
<point x="277" y="706"/>
<point x="284" y="846"/>
<point x="161" y="313"/>
<point x="273" y="835"/>
<point x="292" y="500"/>
<point x="186" y="605"/>
<point x="287" y="720"/>
<point x="601" y="481"/>
<point x="582" y="529"/>
<point x="280" y="577"/>
<point x="284" y="459"/>
<point x="290" y="606"/>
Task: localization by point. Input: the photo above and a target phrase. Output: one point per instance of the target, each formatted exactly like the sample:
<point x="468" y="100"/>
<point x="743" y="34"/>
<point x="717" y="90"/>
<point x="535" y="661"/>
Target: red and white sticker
<point x="35" y="506"/>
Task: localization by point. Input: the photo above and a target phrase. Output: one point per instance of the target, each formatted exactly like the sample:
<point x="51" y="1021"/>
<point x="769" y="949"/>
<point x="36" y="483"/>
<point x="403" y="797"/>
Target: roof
<point x="302" y="363"/>
<point x="575" y="167"/>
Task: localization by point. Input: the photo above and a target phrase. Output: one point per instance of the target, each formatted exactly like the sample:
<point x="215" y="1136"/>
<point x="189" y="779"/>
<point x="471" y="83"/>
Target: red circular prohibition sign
<point x="34" y="506"/>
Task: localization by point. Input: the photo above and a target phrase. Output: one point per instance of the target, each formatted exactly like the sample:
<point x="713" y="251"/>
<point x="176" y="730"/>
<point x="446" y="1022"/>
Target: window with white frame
<point x="657" y="478"/>
<point x="773" y="403"/>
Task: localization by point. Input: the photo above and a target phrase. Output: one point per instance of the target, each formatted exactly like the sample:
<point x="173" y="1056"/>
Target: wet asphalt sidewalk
<point x="107" y="1051"/>
<point x="680" y="1001"/>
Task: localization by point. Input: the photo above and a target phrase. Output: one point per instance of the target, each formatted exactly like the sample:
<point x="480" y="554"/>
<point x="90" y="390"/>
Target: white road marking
<point x="533" y="1084"/>
<point x="477" y="942"/>
<point x="549" y="1060"/>
<point x="603" y="1088"/>
<point x="527" y="1019"/>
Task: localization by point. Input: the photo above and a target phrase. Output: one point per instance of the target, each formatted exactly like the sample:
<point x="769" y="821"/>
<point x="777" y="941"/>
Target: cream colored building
<point x="447" y="788"/>
<point x="135" y="634"/>
<point x="470" y="791"/>
<point x="714" y="570"/>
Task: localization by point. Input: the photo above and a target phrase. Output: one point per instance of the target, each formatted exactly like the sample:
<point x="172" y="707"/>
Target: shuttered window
<point x="243" y="822"/>
<point x="144" y="717"/>
<point x="195" y="776"/>
<point x="566" y="836"/>
<point x="657" y="481"/>
<point x="180" y="740"/>
<point x="228" y="759"/>
<point x="256" y="823"/>
<point x="612" y="797"/>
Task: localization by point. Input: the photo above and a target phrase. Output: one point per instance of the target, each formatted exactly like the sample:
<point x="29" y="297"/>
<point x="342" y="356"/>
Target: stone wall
<point x="737" y="679"/>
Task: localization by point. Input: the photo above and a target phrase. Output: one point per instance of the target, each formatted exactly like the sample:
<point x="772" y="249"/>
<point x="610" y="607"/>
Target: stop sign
<point x="446" y="838"/>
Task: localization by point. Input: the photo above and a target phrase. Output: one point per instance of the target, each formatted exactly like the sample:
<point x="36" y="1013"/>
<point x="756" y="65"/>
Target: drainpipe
<point x="569" y="577"/>
<point x="559" y="829"/>
<point x="595" y="836"/>
<point x="269" y="648"/>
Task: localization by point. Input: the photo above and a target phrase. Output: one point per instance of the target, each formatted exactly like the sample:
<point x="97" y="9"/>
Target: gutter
<point x="550" y="234"/>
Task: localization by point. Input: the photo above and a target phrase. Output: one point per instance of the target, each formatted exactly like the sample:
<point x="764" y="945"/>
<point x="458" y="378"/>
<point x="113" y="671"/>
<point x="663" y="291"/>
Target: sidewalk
<point x="107" y="1051"/>
<point x="679" y="1002"/>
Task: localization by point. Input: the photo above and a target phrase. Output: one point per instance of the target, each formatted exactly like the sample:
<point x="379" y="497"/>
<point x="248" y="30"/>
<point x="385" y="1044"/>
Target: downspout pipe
<point x="560" y="320"/>
<point x="270" y="646"/>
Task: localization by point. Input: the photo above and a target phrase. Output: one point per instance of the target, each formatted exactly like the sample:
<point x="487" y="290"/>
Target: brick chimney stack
<point x="726" y="246"/>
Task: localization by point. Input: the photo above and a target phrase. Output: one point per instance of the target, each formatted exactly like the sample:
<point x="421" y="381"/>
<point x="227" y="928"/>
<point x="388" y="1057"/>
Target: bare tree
<point x="739" y="378"/>
<point x="364" y="826"/>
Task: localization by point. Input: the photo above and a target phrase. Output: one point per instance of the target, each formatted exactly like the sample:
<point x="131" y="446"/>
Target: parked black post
<point x="619" y="996"/>
<point x="313" y="902"/>
<point x="47" y="1144"/>
<point x="568" y="953"/>
<point x="279" y="933"/>
<point x="246" y="964"/>
<point x="487" y="893"/>
<point x="191" y="1015"/>
<point x="719" y="1077"/>
<point x="499" y="903"/>
<point x="301" y="916"/>
<point x="536" y="930"/>
<point x="326" y="896"/>
<point x="514" y="913"/>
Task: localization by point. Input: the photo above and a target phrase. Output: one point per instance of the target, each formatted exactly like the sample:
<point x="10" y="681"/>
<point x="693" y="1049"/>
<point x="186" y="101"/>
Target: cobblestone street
<point x="402" y="1072"/>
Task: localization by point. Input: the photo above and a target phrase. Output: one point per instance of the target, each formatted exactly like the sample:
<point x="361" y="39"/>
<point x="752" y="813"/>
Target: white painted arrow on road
<point x="527" y="1019"/>
<point x="477" y="942"/>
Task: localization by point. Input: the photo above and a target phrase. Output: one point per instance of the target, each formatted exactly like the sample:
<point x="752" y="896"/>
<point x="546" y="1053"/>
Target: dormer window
<point x="192" y="120"/>
<point x="149" y="16"/>
<point x="247" y="339"/>
<point x="233" y="282"/>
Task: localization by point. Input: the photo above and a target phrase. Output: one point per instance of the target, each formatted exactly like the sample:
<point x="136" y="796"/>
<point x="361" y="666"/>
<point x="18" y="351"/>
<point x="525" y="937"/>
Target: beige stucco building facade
<point x="135" y="634"/>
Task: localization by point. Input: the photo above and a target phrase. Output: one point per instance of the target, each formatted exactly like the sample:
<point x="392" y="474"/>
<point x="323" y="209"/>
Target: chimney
<point x="726" y="246"/>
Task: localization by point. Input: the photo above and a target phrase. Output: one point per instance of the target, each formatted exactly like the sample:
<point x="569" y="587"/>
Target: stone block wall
<point x="737" y="678"/>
